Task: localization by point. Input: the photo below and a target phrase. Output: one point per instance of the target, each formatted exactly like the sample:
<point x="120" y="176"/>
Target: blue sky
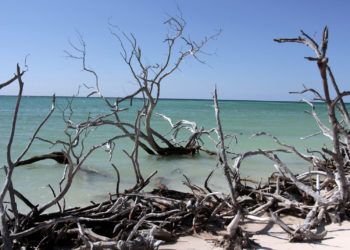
<point x="246" y="63"/>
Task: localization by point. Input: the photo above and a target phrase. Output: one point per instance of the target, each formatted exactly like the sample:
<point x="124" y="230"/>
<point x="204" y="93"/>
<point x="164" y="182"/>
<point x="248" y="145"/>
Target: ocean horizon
<point x="173" y="98"/>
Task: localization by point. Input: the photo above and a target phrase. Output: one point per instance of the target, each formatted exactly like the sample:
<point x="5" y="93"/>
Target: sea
<point x="289" y="121"/>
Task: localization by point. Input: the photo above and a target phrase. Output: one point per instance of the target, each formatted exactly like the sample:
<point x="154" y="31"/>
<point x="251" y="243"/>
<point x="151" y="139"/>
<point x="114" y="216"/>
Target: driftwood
<point x="59" y="157"/>
<point x="137" y="220"/>
<point x="131" y="217"/>
<point x="136" y="215"/>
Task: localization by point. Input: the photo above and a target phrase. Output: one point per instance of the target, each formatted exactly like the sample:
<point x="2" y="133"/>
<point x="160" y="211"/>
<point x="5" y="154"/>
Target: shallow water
<point x="286" y="120"/>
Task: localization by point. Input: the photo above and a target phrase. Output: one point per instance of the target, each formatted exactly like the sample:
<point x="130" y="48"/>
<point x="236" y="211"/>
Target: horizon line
<point x="168" y="98"/>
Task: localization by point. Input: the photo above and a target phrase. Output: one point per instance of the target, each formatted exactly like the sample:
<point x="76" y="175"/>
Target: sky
<point x="244" y="62"/>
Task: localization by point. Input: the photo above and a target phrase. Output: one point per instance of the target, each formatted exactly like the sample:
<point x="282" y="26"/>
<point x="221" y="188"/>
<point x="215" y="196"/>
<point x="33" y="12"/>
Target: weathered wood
<point x="141" y="220"/>
<point x="59" y="157"/>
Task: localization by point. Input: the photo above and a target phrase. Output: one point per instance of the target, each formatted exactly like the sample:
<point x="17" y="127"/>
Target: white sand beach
<point x="271" y="238"/>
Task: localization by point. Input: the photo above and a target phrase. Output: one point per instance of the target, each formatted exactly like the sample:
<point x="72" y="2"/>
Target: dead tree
<point x="231" y="176"/>
<point x="322" y="192"/>
<point x="73" y="154"/>
<point x="7" y="188"/>
<point x="150" y="78"/>
<point x="317" y="195"/>
<point x="339" y="127"/>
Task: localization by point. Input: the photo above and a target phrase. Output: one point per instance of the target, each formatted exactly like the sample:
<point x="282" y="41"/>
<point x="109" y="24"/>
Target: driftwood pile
<point x="138" y="220"/>
<point x="130" y="221"/>
<point x="146" y="220"/>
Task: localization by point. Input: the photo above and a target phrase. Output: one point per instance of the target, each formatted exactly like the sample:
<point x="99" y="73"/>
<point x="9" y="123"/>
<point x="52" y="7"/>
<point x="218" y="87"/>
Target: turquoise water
<point x="286" y="120"/>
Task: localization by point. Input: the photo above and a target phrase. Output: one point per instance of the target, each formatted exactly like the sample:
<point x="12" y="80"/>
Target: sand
<point x="337" y="238"/>
<point x="271" y="237"/>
